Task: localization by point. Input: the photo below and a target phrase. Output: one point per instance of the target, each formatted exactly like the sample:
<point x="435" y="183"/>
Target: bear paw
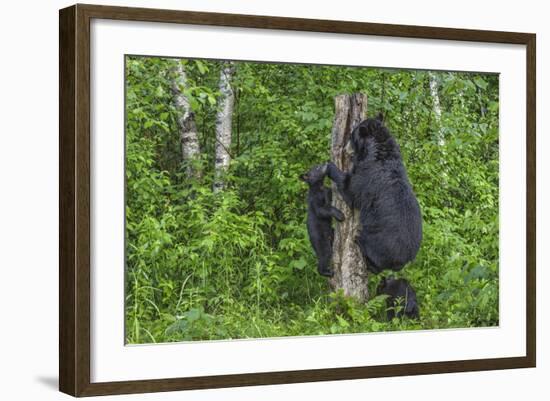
<point x="326" y="273"/>
<point x="338" y="215"/>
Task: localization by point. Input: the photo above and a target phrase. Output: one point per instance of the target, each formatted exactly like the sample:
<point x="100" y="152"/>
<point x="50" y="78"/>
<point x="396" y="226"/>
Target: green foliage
<point x="238" y="264"/>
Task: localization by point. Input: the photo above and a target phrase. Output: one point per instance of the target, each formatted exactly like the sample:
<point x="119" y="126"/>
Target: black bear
<point x="319" y="218"/>
<point x="401" y="297"/>
<point x="377" y="185"/>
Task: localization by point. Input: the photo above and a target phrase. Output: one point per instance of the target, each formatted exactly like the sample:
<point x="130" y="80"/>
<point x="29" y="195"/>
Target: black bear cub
<point x="319" y="218"/>
<point x="378" y="186"/>
<point x="401" y="297"/>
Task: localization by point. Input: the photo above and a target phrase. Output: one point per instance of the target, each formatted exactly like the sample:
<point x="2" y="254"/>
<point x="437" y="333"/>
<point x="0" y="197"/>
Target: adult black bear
<point x="319" y="218"/>
<point x="401" y="297"/>
<point x="378" y="186"/>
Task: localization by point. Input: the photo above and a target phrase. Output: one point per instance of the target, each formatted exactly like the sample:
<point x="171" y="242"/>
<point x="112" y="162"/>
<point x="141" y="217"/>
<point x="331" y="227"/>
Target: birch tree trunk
<point x="224" y="118"/>
<point x="440" y="136"/>
<point x="434" y="90"/>
<point x="189" y="140"/>
<point x="350" y="269"/>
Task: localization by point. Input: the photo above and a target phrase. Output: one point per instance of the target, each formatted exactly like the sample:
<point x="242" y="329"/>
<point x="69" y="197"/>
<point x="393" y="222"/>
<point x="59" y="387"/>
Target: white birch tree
<point x="434" y="90"/>
<point x="224" y="118"/>
<point x="439" y="135"/>
<point x="189" y="140"/>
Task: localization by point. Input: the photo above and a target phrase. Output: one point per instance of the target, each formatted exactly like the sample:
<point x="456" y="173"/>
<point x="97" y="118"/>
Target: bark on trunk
<point x="439" y="135"/>
<point x="350" y="269"/>
<point x="434" y="90"/>
<point x="189" y="140"/>
<point x="224" y="119"/>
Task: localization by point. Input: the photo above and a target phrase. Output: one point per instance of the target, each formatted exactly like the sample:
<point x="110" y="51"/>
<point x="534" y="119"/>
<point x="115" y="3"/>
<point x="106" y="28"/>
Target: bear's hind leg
<point x="324" y="258"/>
<point x="361" y="242"/>
<point x="324" y="269"/>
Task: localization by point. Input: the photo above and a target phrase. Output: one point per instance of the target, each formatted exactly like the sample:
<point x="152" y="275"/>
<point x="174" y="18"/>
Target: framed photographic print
<point x="250" y="200"/>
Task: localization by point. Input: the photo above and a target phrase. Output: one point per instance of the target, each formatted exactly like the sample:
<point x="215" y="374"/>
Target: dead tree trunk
<point x="224" y="119"/>
<point x="350" y="269"/>
<point x="189" y="139"/>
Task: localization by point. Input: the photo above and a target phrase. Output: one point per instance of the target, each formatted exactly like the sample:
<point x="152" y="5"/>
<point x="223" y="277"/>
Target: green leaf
<point x="193" y="315"/>
<point x="159" y="92"/>
<point x="200" y="65"/>
<point x="299" y="264"/>
<point x="343" y="322"/>
<point x="480" y="82"/>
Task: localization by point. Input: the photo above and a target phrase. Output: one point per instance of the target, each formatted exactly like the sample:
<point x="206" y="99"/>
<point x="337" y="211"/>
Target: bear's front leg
<point x="328" y="212"/>
<point x="337" y="214"/>
<point x="341" y="179"/>
<point x="335" y="174"/>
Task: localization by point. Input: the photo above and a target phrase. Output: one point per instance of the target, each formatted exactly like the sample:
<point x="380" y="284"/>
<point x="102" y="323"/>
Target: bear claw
<point x="326" y="273"/>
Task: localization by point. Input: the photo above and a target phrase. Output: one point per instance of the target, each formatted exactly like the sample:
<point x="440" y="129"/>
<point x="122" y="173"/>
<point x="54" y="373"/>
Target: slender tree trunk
<point x="350" y="269"/>
<point x="439" y="135"/>
<point x="224" y="118"/>
<point x="189" y="139"/>
<point x="434" y="90"/>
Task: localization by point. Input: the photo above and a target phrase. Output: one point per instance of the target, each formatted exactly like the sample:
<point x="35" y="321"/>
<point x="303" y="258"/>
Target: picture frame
<point x="76" y="201"/>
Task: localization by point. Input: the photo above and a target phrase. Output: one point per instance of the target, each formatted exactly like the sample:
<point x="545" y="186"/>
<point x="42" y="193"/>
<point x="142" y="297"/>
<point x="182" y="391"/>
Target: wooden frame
<point x="74" y="199"/>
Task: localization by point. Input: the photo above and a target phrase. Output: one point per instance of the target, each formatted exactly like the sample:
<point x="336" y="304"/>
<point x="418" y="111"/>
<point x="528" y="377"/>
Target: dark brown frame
<point x="74" y="199"/>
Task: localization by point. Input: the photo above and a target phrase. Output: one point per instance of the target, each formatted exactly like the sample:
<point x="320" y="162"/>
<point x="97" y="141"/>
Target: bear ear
<point x="304" y="177"/>
<point x="380" y="117"/>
